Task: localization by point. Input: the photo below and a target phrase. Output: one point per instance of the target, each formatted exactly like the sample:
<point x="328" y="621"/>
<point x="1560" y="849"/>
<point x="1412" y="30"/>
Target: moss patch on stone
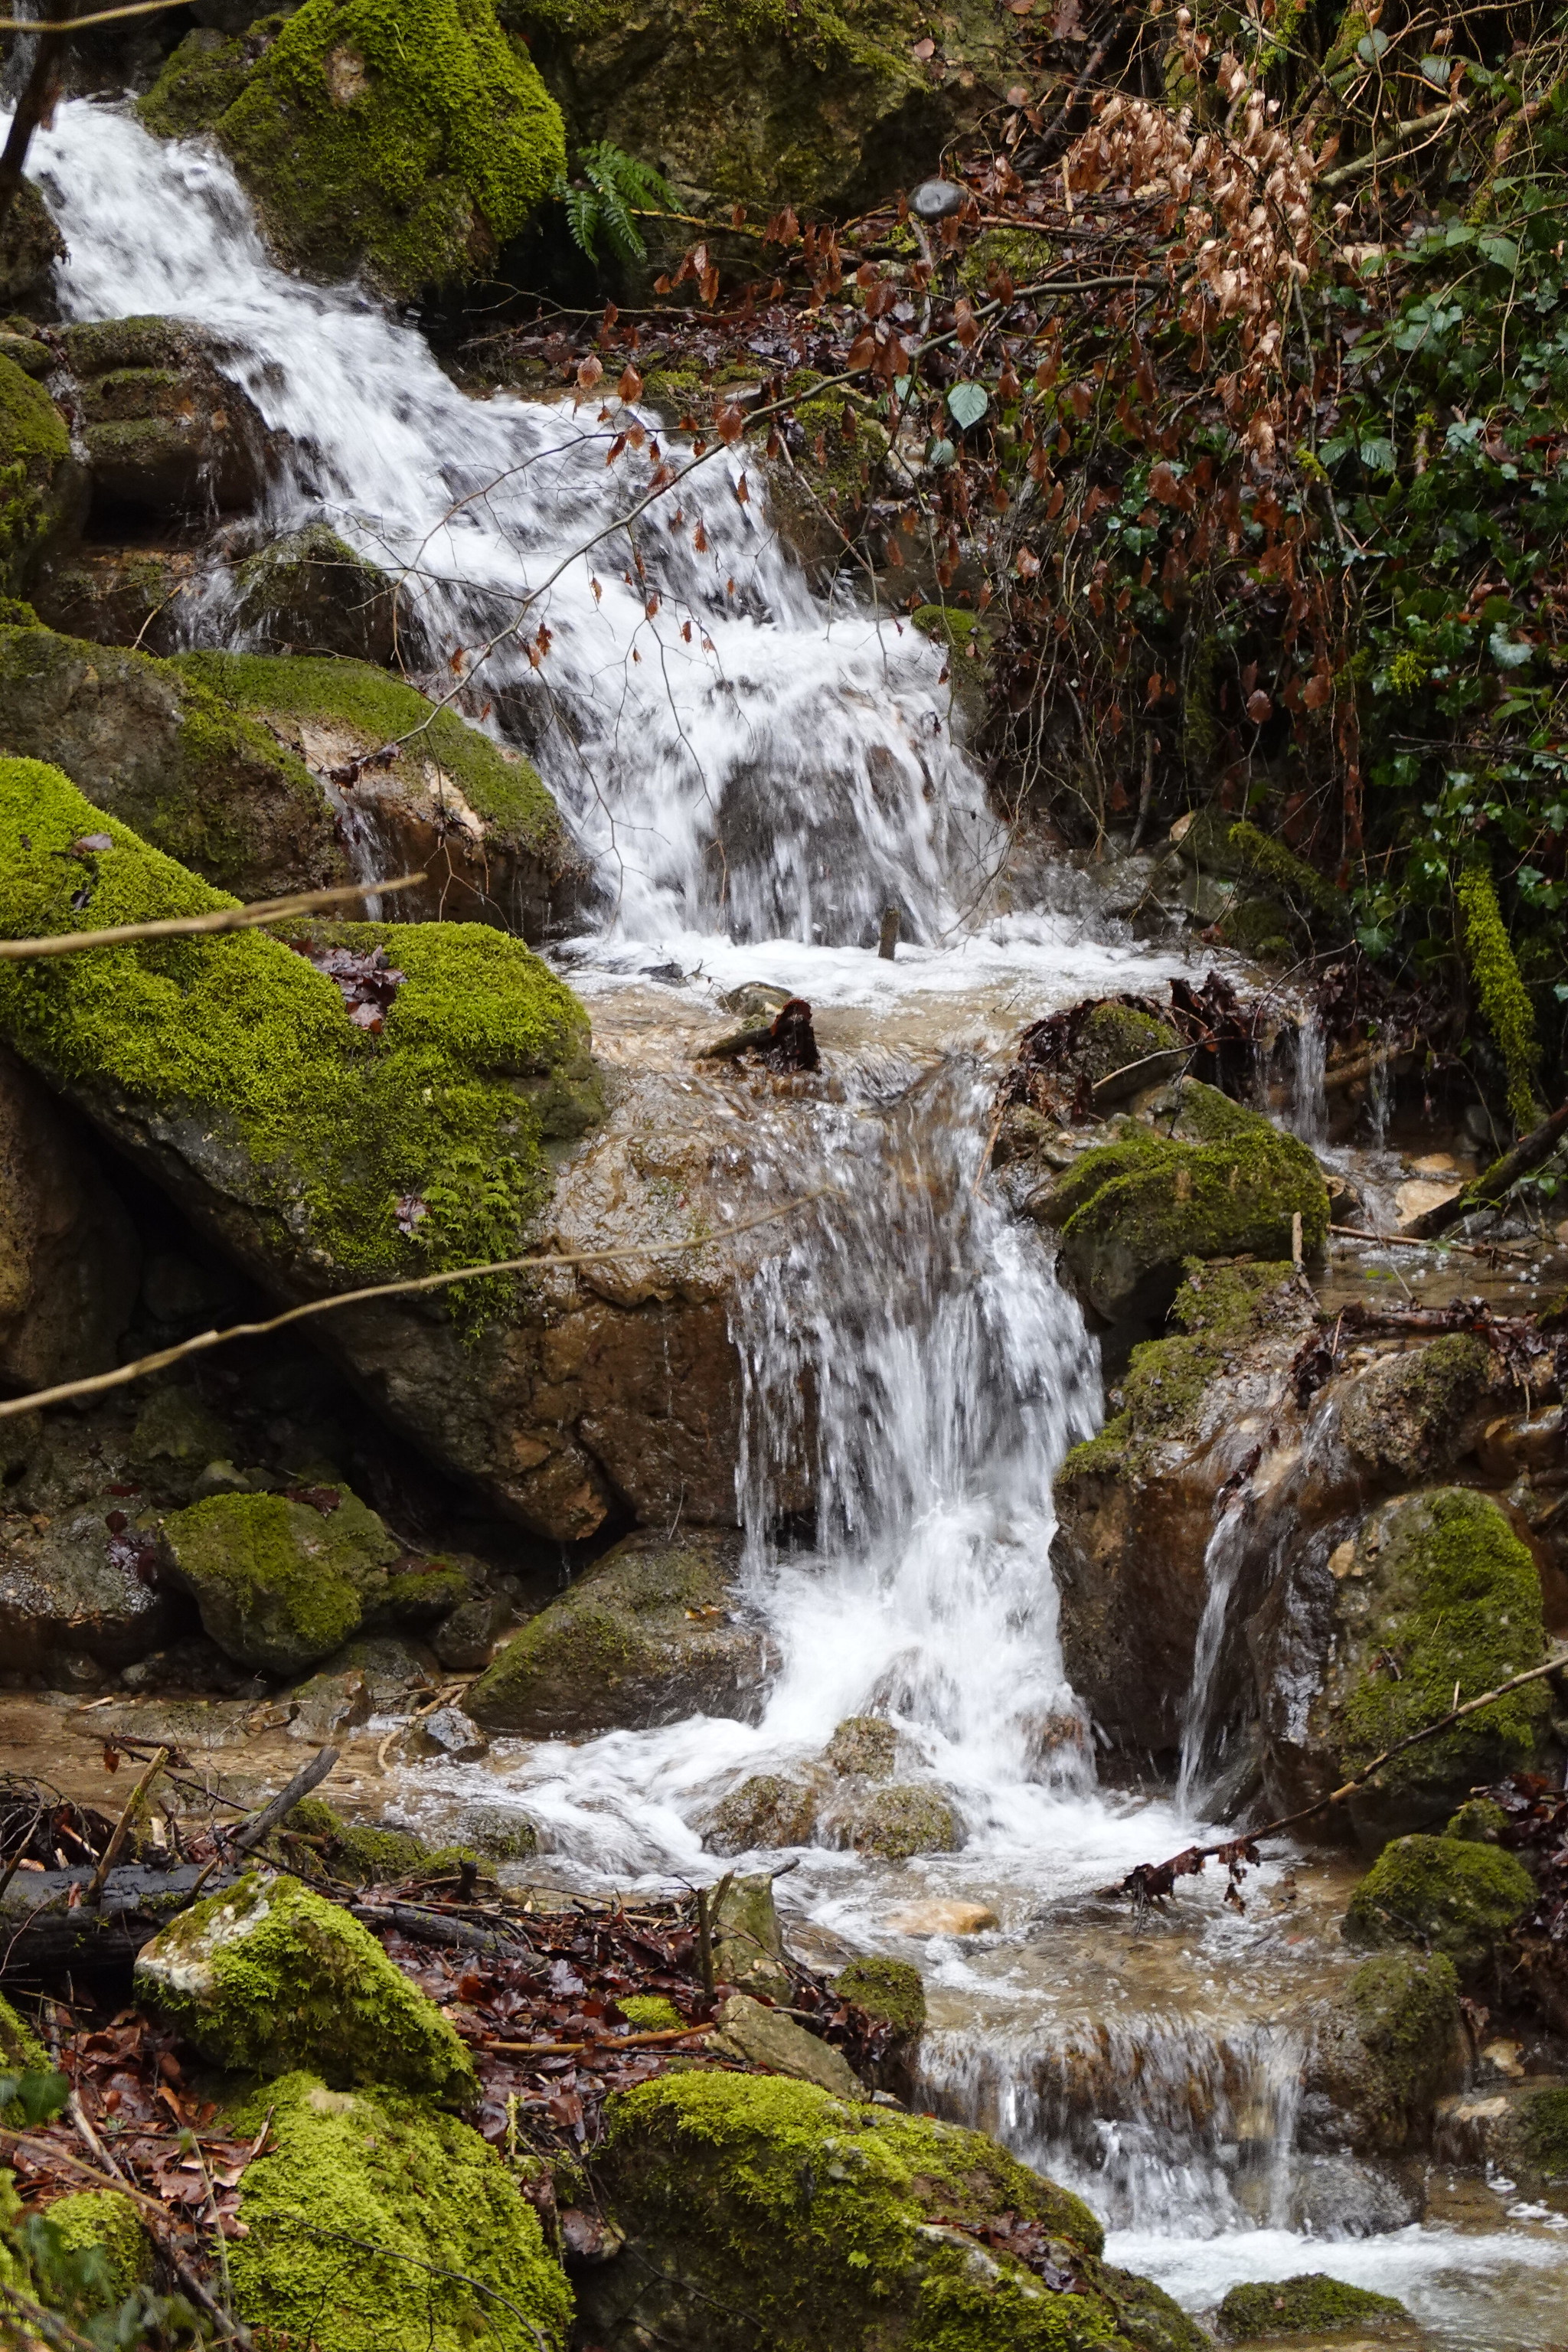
<point x="894" y="1819"/>
<point x="798" y="2218"/>
<point x="35" y="450"/>
<point x="373" y="2219"/>
<point x="266" y="1975"/>
<point x="1411" y="1414"/>
<point x="1441" y="1584"/>
<point x="766" y="1810"/>
<point x="1129" y="1213"/>
<point x="357" y="1851"/>
<point x="1443" y="1894"/>
<point x="865" y="1744"/>
<point x="107" y="2220"/>
<point x="21" y="2051"/>
<point x="650" y="2013"/>
<point x="890" y="1990"/>
<point x="410" y="138"/>
<point x="332" y="1127"/>
<point x="1405" y="2008"/>
<point x="1543" y="2133"/>
<point x="1312" y="2304"/>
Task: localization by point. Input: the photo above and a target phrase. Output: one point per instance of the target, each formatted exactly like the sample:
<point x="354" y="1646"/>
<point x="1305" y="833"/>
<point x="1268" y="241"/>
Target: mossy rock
<point x="863" y="1743"/>
<point x="175" y="1439"/>
<point x="1478" y="1819"/>
<point x="1216" y="843"/>
<point x="30" y="245"/>
<point x="1444" y="1894"/>
<point x="1541" y="2134"/>
<point x="762" y="2210"/>
<point x="308" y="592"/>
<point x="107" y="2221"/>
<point x="41" y="484"/>
<point x="748" y="1938"/>
<point x="650" y="2013"/>
<point x="894" y="1819"/>
<point x="300" y="1140"/>
<point x="1440" y="1584"/>
<point x="1413" y="1415"/>
<point x="1387" y="2049"/>
<point x="407" y="138"/>
<point x="766" y="1811"/>
<point x="1129" y="1213"/>
<point x="362" y="1853"/>
<point x="1120" y="1049"/>
<point x="1312" y="2304"/>
<point x="266" y="1975"/>
<point x="370" y="2219"/>
<point x="282" y="1584"/>
<point x="890" y="1990"/>
<point x="648" y="1634"/>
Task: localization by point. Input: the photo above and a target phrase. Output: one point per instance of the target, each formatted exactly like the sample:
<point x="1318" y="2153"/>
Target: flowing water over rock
<point x="756" y="777"/>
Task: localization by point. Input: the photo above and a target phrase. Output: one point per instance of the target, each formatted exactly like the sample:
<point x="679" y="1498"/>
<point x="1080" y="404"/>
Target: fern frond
<point x="582" y="218"/>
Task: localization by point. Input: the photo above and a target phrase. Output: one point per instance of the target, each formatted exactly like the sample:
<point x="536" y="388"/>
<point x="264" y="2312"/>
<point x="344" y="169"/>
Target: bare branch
<point x="221" y="918"/>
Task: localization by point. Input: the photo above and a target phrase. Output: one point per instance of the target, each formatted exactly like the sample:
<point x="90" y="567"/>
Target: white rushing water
<point x="756" y="775"/>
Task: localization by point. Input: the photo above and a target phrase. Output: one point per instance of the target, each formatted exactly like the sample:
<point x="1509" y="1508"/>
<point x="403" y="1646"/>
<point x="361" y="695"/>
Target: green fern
<point x="600" y="200"/>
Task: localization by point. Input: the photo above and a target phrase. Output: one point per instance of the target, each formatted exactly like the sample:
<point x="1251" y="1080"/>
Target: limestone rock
<point x="944" y="1918"/>
<point x="755" y="2207"/>
<point x="167" y="433"/>
<point x="891" y="1820"/>
<point x="762" y="2037"/>
<point x="70" y="1260"/>
<point x="748" y="1939"/>
<point x="1445" y="1894"/>
<point x="450" y="1734"/>
<point x="766" y="1811"/>
<point x="310" y="592"/>
<point x="1226" y="1183"/>
<point x="265" y="1977"/>
<point x="1381" y="2055"/>
<point x="42" y="489"/>
<point x="651" y="1632"/>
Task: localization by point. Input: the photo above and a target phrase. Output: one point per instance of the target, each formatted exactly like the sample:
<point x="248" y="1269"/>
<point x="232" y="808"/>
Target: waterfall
<point x="1309" y="1112"/>
<point x="1222" y="1556"/>
<point x="733" y="754"/>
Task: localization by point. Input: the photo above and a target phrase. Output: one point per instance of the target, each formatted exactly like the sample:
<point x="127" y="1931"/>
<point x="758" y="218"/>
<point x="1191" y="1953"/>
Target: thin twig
<point x="1413" y="1241"/>
<point x="92" y="1894"/>
<point x="221" y="918"/>
<point x="79" y="24"/>
<point x="13" y="1406"/>
<point x="251" y="1832"/>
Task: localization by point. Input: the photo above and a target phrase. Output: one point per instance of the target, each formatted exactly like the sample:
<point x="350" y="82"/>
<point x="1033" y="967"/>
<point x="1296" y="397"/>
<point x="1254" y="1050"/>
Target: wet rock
<point x="1131" y="1212"/>
<point x="1520" y="2130"/>
<point x="133" y="596"/>
<point x="282" y="1583"/>
<point x="44" y="492"/>
<point x="1413" y="1415"/>
<point x="758" y="2206"/>
<point x="267" y="1976"/>
<point x="70" y="1259"/>
<point x="362" y="1853"/>
<point x="890" y="1990"/>
<point x="166" y="432"/>
<point x="449" y="1734"/>
<point x="398" y="1673"/>
<point x="748" y="1939"/>
<point x="766" y="1811"/>
<point x="501" y="1831"/>
<point x="1312" y="2304"/>
<point x="649" y="1634"/>
<point x="944" y="1918"/>
<point x="373" y="2218"/>
<point x="1381" y="2054"/>
<point x="1445" y="1894"/>
<point x="309" y="593"/>
<point x="893" y="1820"/>
<point x="866" y="1744"/>
<point x="465" y="1641"/>
<point x="328" y="1705"/>
<point x="766" y="2038"/>
<point x="30" y="245"/>
<point x="190" y="1663"/>
<point x="410" y="160"/>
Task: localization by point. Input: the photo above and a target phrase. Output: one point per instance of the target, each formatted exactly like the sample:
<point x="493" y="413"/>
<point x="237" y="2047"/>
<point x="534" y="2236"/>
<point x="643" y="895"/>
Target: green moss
<point x="794" y="2219"/>
<point x="1021" y="254"/>
<point x="266" y="1975"/>
<point x="1406" y="2008"/>
<point x="373" y="2220"/>
<point x="1504" y="1000"/>
<point x="1309" y="2305"/>
<point x="505" y="791"/>
<point x="483" y="1049"/>
<point x="1478" y="1819"/>
<point x="949" y="623"/>
<point x="1442" y="1894"/>
<point x="21" y="2051"/>
<point x="356" y="1850"/>
<point x="409" y="136"/>
<point x="35" y="444"/>
<point x="896" y="1820"/>
<point x="1445" y="1588"/>
<point x="864" y="1744"/>
<point x="890" y="1990"/>
<point x="280" y="1584"/>
<point x="1302" y="884"/>
<point x="1114" y="1036"/>
<point x="650" y="2013"/>
<point x="108" y="2220"/>
<point x="1543" y="2133"/>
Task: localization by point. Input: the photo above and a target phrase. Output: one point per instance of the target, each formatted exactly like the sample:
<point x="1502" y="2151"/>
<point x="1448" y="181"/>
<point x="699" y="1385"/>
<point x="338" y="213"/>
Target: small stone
<point x="329" y="1704"/>
<point x="936" y="200"/>
<point x="942" y="1918"/>
<point x="450" y="1733"/>
<point x="1417" y="1194"/>
<point x="464" y="1640"/>
<point x="219" y="1478"/>
<point x="765" y="2037"/>
<point x="864" y="1744"/>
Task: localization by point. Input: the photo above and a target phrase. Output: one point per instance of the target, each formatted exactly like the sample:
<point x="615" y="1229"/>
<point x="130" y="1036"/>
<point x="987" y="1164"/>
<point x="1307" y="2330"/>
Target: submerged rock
<point x="1445" y="1894"/>
<point x="755" y="2207"/>
<point x="265" y="1977"/>
<point x="406" y="142"/>
<point x="649" y="1634"/>
<point x="1312" y="2304"/>
<point x="373" y="2219"/>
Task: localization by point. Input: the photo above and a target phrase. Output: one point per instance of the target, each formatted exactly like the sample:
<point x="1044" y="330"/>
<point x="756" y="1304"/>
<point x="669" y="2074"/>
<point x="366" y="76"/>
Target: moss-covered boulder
<point x="370" y="2219"/>
<point x="791" y="101"/>
<point x="1436" y="1594"/>
<point x="308" y="592"/>
<point x="1381" y="2054"/>
<point x="30" y="245"/>
<point x="653" y="1632"/>
<point x="281" y="1583"/>
<point x="107" y="2222"/>
<point x="890" y="1990"/>
<point x="166" y="433"/>
<point x="406" y="138"/>
<point x="124" y="594"/>
<point x="266" y="1975"/>
<point x="891" y="1820"/>
<point x="766" y="1811"/>
<point x="1413" y="1415"/>
<point x="42" y="489"/>
<point x="1225" y="1183"/>
<point x="757" y="2209"/>
<point x="1120" y="1050"/>
<point x="1277" y="898"/>
<point x="1444" y="1894"/>
<point x="1312" y="2304"/>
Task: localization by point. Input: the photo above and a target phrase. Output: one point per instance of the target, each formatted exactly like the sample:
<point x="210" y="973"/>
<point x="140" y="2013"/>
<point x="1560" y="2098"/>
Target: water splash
<point x="1224" y="1556"/>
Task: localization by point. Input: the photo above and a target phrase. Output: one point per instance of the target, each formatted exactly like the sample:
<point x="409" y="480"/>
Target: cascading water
<point x="743" y="761"/>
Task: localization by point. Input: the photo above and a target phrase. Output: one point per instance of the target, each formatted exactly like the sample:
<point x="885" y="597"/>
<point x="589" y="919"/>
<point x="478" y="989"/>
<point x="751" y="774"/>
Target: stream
<point x="756" y="775"/>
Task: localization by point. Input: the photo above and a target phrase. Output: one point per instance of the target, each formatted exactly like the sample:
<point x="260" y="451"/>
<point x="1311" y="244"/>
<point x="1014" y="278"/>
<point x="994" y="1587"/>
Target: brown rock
<point x="70" y="1259"/>
<point x="166" y="432"/>
<point x="766" y="2038"/>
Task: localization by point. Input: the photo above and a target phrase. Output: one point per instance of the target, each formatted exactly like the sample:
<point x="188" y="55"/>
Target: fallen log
<point x="48" y="1925"/>
<point x="1488" y="1188"/>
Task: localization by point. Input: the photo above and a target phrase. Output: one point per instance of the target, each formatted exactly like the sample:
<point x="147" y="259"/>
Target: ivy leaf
<point x="1437" y="71"/>
<point x="942" y="453"/>
<point x="1371" y="47"/>
<point x="967" y="404"/>
<point x="1500" y="250"/>
<point x="1508" y="653"/>
<point x="1376" y="454"/>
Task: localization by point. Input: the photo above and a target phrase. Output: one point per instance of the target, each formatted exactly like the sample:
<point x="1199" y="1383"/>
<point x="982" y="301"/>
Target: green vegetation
<point x="1312" y="2304"/>
<point x="608" y="187"/>
<point x="35" y="450"/>
<point x="1405" y="2008"/>
<point x="1504" y="999"/>
<point x="484" y="1050"/>
<point x="1543" y="2133"/>
<point x="373" y="2220"/>
<point x="107" y="2219"/>
<point x="265" y="1977"/>
<point x="890" y="1990"/>
<point x="354" y="1850"/>
<point x="409" y="137"/>
<point x="1444" y="1894"/>
<point x="650" y="2013"/>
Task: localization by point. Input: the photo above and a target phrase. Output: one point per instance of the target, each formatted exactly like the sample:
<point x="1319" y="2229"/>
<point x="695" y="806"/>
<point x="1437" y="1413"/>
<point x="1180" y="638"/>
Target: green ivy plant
<point x="607" y="188"/>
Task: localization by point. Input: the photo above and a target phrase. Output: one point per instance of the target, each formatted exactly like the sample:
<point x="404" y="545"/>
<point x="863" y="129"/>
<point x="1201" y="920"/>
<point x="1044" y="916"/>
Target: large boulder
<point x="1380" y="2055"/>
<point x="30" y="245"/>
<point x="282" y="1582"/>
<point x="70" y="1261"/>
<point x="1309" y="2305"/>
<point x="41" y="483"/>
<point x="826" y="109"/>
<point x="759" y="2208"/>
<point x="373" y="2219"/>
<point x="166" y="432"/>
<point x="653" y="1632"/>
<point x="231" y="764"/>
<point x="1218" y="1181"/>
<point x="1444" y="1894"/>
<point x="266" y="1975"/>
<point x="408" y="142"/>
